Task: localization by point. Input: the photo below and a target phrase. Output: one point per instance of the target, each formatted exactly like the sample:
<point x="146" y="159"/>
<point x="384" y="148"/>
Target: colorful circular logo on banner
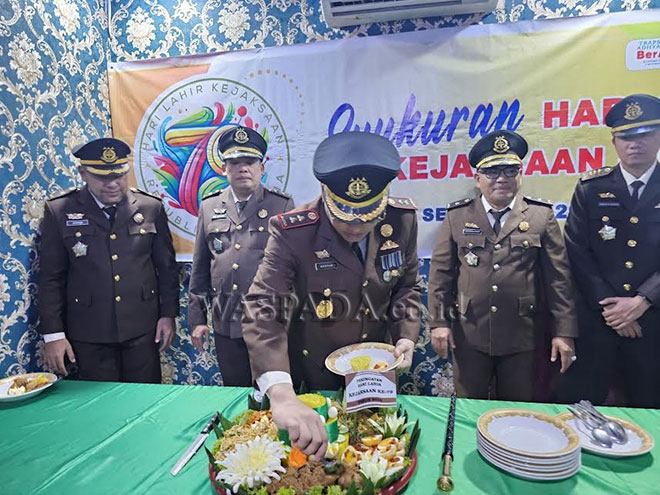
<point x="175" y="151"/>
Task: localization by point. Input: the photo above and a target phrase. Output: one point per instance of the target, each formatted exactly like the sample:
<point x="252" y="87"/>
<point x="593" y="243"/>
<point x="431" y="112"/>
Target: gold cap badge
<point x="109" y="155"/>
<point x="324" y="309"/>
<point x="241" y="137"/>
<point x="501" y="145"/>
<point x="633" y="111"/>
<point x="358" y="188"/>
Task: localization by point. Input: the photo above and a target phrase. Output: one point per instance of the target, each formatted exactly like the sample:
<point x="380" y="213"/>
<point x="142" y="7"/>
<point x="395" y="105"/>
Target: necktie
<point x="636" y="185"/>
<point x="110" y="211"/>
<point x="240" y="205"/>
<point x="498" y="218"/>
<point x="358" y="251"/>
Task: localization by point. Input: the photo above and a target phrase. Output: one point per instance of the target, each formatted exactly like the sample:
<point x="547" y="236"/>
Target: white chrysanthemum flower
<point x="254" y="462"/>
<point x="375" y="468"/>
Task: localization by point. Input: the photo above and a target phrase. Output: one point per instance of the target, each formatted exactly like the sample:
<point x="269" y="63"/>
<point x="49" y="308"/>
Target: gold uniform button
<point x="493" y="309"/>
<point x="237" y="246"/>
<point x="496" y="266"/>
<point x="470" y="245"/>
<point x="632" y="243"/>
<point x="526" y="243"/>
<point x="261" y="228"/>
<point x="634" y="220"/>
<point x="239" y="227"/>
<point x="366" y="311"/>
<point x="629" y="264"/>
<point x="364" y="336"/>
<point x="605" y="218"/>
<point x="115" y="257"/>
<point x="216" y="230"/>
<point x="627" y="287"/>
<point x="142" y="231"/>
<point x="118" y="298"/>
<point x="497" y="247"/>
<point x="494" y="287"/>
<point x="117" y="278"/>
<point x="326" y="292"/>
<point x="234" y="287"/>
<point x="76" y="299"/>
<point x="234" y="266"/>
<point x="305" y="352"/>
<point x="78" y="234"/>
<point x="113" y="236"/>
<point x="365" y="283"/>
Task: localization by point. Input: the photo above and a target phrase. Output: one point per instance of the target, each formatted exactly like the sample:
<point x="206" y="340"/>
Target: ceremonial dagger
<point x="445" y="483"/>
<point x="195" y="446"/>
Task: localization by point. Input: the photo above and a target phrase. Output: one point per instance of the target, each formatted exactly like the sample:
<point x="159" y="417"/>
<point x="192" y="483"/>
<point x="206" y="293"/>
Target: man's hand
<point x="54" y="355"/>
<point x="566" y="350"/>
<point x="305" y="427"/>
<point x="405" y="347"/>
<point x="441" y="340"/>
<point x="165" y="330"/>
<point x="632" y="331"/>
<point x="620" y="312"/>
<point x="200" y="337"/>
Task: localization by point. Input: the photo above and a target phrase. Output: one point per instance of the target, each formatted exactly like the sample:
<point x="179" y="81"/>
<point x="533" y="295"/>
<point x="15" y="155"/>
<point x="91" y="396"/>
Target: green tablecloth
<point x="110" y="438"/>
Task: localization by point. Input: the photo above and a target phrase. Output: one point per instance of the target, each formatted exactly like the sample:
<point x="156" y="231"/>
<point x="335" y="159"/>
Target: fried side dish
<point x="23" y="385"/>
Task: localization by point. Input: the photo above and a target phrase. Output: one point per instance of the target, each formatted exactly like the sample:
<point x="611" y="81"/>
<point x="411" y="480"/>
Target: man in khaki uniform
<point x="108" y="278"/>
<point x="338" y="271"/>
<point x="232" y="230"/>
<point x="490" y="255"/>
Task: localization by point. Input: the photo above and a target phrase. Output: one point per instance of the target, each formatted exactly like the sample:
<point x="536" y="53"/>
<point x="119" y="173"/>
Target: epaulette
<point x="599" y="172"/>
<point x="211" y="195"/>
<point x="298" y="218"/>
<point x="66" y="193"/>
<point x="538" y="201"/>
<point x="278" y="192"/>
<point x="136" y="190"/>
<point x="460" y="202"/>
<point x="404" y="203"/>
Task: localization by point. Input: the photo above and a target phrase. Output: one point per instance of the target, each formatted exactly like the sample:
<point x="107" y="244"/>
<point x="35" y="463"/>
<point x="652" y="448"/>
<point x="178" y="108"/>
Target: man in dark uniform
<point x="232" y="230"/>
<point x="338" y="271"/>
<point x="108" y="278"/>
<point x="491" y="254"/>
<point x="613" y="242"/>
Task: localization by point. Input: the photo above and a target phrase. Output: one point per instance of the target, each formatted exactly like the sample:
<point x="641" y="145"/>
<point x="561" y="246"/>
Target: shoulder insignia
<point x="140" y="191"/>
<point x="459" y="203"/>
<point x="538" y="201"/>
<point x="404" y="203"/>
<point x="278" y="192"/>
<point x="66" y="193"/>
<point x="298" y="218"/>
<point x="212" y="195"/>
<point x="599" y="172"/>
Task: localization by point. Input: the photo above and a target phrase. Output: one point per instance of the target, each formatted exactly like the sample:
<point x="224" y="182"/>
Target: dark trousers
<point x="602" y="355"/>
<point x="513" y="373"/>
<point x="233" y="361"/>
<point x="136" y="360"/>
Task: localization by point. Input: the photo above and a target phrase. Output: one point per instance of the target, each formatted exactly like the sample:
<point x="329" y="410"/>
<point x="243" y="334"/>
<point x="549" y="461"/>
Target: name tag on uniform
<point x="472" y="231"/>
<point x="325" y="265"/>
<point x="76" y="223"/>
<point x="219" y="216"/>
<point x="613" y="204"/>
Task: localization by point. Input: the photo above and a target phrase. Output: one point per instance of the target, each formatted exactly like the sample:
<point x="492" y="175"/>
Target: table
<point x="116" y="438"/>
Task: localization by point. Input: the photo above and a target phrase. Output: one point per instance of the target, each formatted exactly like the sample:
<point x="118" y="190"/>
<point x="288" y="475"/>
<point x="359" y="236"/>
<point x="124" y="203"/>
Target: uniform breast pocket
<point x="78" y="239"/>
<point x="218" y="235"/>
<point x="142" y="229"/>
<point x="521" y="243"/>
<point x="258" y="238"/>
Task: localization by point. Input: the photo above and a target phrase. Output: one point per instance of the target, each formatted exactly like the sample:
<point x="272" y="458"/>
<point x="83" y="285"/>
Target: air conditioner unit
<point x="339" y="13"/>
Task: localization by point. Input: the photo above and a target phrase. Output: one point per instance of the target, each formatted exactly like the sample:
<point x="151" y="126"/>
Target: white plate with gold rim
<point x="7" y="383"/>
<point x="365" y="356"/>
<point x="639" y="440"/>
<point x="529" y="433"/>
<point x="530" y="465"/>
<point x="530" y="474"/>
<point x="528" y="458"/>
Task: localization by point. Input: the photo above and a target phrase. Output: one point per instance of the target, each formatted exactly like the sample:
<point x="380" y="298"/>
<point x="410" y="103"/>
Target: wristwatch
<point x="646" y="299"/>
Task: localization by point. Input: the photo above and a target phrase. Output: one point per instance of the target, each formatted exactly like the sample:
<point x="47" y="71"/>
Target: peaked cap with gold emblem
<point x="239" y="142"/>
<point x="635" y="114"/>
<point x="498" y="148"/>
<point x="105" y="157"/>
<point x="356" y="169"/>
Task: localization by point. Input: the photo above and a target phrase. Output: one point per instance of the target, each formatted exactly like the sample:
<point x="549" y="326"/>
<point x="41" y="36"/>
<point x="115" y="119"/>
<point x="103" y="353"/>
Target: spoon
<point x="597" y="433"/>
<point x="616" y="431"/>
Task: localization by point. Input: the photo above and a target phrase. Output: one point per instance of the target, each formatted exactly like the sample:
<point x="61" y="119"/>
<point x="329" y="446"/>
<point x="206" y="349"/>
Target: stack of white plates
<point x="528" y="444"/>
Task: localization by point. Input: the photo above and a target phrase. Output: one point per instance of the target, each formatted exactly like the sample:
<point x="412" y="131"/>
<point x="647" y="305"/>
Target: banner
<point x="432" y="93"/>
